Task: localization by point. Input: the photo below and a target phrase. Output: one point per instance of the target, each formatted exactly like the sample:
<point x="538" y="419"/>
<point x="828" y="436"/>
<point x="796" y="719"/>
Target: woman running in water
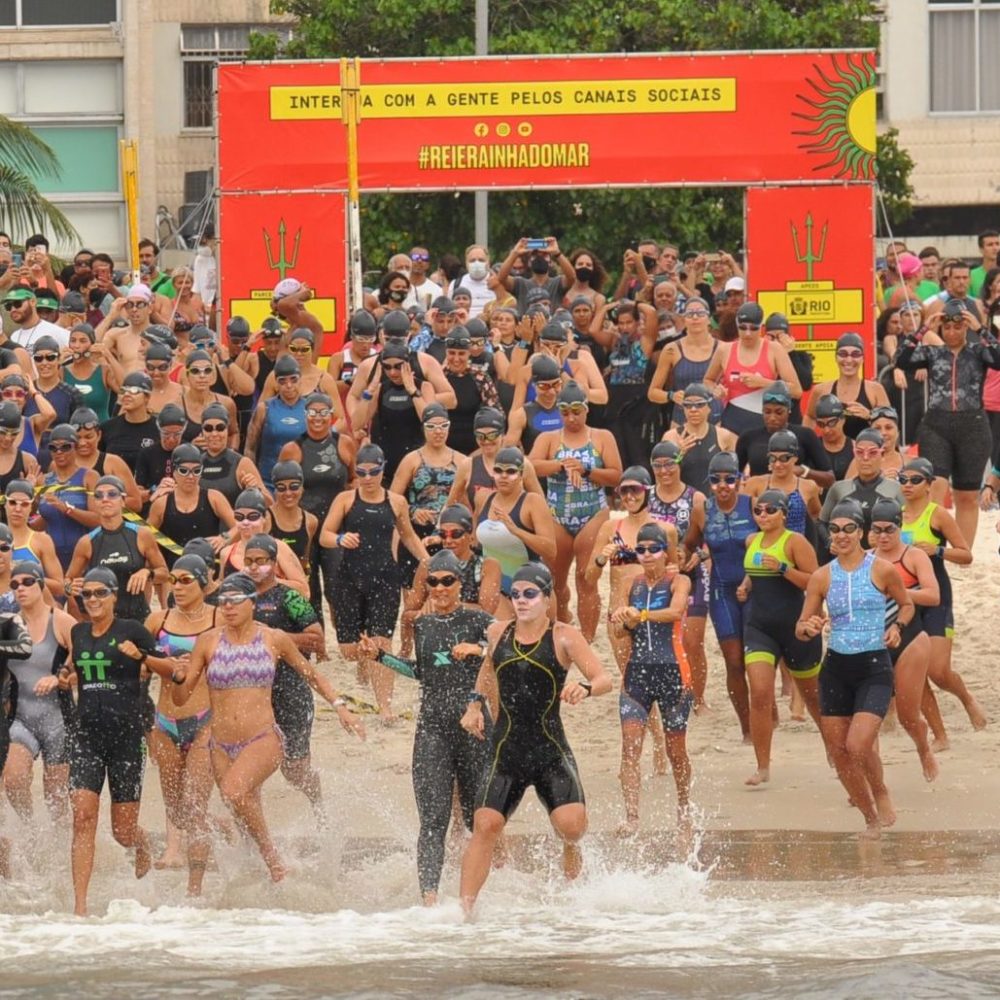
<point x="238" y="662"/>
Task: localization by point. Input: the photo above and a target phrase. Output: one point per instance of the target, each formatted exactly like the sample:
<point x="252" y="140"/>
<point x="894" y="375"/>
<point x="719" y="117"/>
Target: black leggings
<point x="443" y="753"/>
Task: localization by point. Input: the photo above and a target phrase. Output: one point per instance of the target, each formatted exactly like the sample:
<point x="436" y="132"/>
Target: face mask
<point x="204" y="251"/>
<point x="584" y="274"/>
<point x="478" y="269"/>
<point x="397" y="295"/>
<point x="648" y="262"/>
<point x="539" y="265"/>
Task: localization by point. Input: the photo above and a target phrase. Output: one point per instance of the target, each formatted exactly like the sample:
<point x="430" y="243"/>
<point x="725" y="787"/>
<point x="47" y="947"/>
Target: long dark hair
<point x="600" y="275"/>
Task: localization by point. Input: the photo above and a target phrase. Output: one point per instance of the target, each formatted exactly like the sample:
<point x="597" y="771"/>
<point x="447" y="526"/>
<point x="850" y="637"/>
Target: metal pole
<point x="482" y="48"/>
<point x="349" y="86"/>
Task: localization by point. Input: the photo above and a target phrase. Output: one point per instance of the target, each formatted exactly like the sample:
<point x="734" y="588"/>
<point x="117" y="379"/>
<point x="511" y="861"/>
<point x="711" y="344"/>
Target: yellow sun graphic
<point x="842" y="116"/>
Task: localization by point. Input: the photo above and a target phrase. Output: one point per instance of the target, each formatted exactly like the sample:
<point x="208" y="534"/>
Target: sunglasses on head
<point x="885" y="529"/>
<point x="250" y="515"/>
<point x="214" y="428"/>
<point x="111" y="494"/>
<point x="287" y="487"/>
<point x="96" y="593"/>
<point x="319" y="412"/>
<point x="761" y="509"/>
<point x="46" y="357"/>
<point x="230" y="600"/>
<point x="526" y="594"/>
<point x="444" y="580"/>
<point x="188" y="470"/>
<point x="25" y="582"/>
<point x="847" y="529"/>
<point x="911" y="480"/>
<point x="370" y="473"/>
<point x="649" y="548"/>
<point x="723" y="479"/>
<point x="450" y="534"/>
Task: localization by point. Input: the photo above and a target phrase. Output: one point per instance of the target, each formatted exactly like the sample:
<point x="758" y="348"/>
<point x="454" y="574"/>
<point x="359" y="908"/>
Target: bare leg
<point x="170" y="764"/>
<point x="197" y="789"/>
<point x="85" y="806"/>
<point x="932" y="713"/>
<point x="487" y="826"/>
<point x="17" y="780"/>
<point x="570" y="823"/>
<point x="967" y="513"/>
<point x="694" y="650"/>
<point x="942" y="673"/>
<point x="808" y="691"/>
<point x="588" y="600"/>
<point x="796" y="706"/>
<point x="302" y="775"/>
<point x="911" y="677"/>
<point x="633" y="734"/>
<point x="239" y="785"/>
<point x="55" y="787"/>
<point x="681" y="764"/>
<point x="126" y="830"/>
<point x="761" y="675"/>
<point x="560" y="571"/>
<point x="851" y="766"/>
<point x="736" y="683"/>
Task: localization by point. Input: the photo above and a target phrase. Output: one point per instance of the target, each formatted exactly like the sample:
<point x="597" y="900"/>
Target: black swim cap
<point x="456" y="513"/>
<point x="536" y="573"/>
<point x="724" y="462"/>
<point x="782" y="441"/>
<point x="850" y="510"/>
<point x="870" y="436"/>
<point x="544" y="368"/>
<point x="102" y="575"/>
<point x="286" y="470"/>
<point x="923" y="466"/>
<point x="110" y="481"/>
<point x="251" y="499"/>
<point x="20" y="486"/>
<point x="829" y="406"/>
<point x="194" y="565"/>
<point x="775" y="497"/>
<point x="29" y="568"/>
<point x="370" y="454"/>
<point x="263" y="543"/>
<point x="363" y="323"/>
<point x="202" y="548"/>
<point x="636" y="474"/>
<point x="651" y="532"/>
<point x="887" y="509"/>
<point x="510" y="455"/>
<point x="665" y="449"/>
<point x="444" y="561"/>
<point x="572" y="393"/>
<point x="238" y="583"/>
<point x="186" y="453"/>
<point x="488" y="418"/>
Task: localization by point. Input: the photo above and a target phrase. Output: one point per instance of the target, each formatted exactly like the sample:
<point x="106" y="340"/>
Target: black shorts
<point x="118" y="753"/>
<point x="374" y="612"/>
<point x="294" y="710"/>
<point x="939" y="621"/>
<point x="556" y="781"/>
<point x="958" y="445"/>
<point x="907" y="635"/>
<point x="855" y="682"/>
<point x="802" y="657"/>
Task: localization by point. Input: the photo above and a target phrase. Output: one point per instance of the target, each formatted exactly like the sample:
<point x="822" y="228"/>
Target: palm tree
<point x="22" y="208"/>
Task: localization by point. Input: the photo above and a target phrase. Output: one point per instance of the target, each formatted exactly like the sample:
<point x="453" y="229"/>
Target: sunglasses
<point x="420" y="256"/>
<point x="257" y="561"/>
<point x="767" y="508"/>
<point x="183" y="578"/>
<point x="631" y="491"/>
<point x="188" y="470"/>
<point x="11" y="306"/>
<point x="287" y="487"/>
<point x="828" y="423"/>
<point x="441" y="425"/>
<point x="662" y="465"/>
<point x="252" y="515"/>
<point x="228" y="600"/>
<point x="61" y="449"/>
<point x="5" y="547"/>
<point x="319" y="413"/>
<point x="300" y="350"/>
<point x="506" y="470"/>
<point x="853" y="355"/>
<point x="781" y="459"/>
<point x="133" y="390"/>
<point x="574" y="408"/>
<point x="886" y="529"/>
<point x="651" y="549"/>
<point x="846" y="529"/>
<point x="452" y="534"/>
<point x="526" y="594"/>
<point x="136" y="305"/>
<point x="47" y="357"/>
<point x="24" y="582"/>
<point x="445" y="580"/>
<point x="214" y="428"/>
<point x="200" y="371"/>
<point x="14" y="393"/>
<point x="487" y="435"/>
<point x="372" y="473"/>
<point x="157" y="366"/>
<point x="719" y="479"/>
<point x="910" y="480"/>
<point x="107" y="494"/>
<point x="97" y="594"/>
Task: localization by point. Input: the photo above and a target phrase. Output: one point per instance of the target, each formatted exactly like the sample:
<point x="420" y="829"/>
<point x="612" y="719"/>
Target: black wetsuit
<point x="396" y="428"/>
<point x="297" y="539"/>
<point x="15" y="644"/>
<point x="219" y="473"/>
<point x="182" y="526"/>
<point x="127" y="439"/>
<point x="443" y="753"/>
<point x="284" y="608"/>
<point x="528" y="746"/>
<point x="108" y="723"/>
<point x="118" y="551"/>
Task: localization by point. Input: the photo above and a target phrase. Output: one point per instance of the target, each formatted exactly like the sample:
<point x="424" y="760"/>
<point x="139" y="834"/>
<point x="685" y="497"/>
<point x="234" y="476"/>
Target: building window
<point x="202" y="47"/>
<point x="56" y="13"/>
<point x="965" y="72"/>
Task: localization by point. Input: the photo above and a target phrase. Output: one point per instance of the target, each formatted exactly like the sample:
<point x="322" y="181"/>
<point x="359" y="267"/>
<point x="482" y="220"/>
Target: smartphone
<point x="17" y="259"/>
<point x="712" y="258"/>
<point x="533" y="243"/>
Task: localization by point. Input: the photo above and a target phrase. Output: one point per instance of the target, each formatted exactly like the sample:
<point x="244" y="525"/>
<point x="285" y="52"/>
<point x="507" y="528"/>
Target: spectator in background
<point x="540" y="261"/>
<point x="912" y="272"/>
<point x="930" y="261"/>
<point x="989" y="247"/>
<point x="424" y="290"/>
<point x="956" y="286"/>
<point x="20" y="305"/>
<point x="159" y="281"/>
<point x="590" y="278"/>
<point x="206" y="277"/>
<point x="476" y="279"/>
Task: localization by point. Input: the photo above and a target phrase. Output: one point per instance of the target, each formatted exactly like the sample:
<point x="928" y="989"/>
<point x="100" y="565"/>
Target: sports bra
<point x="624" y="554"/>
<point x="246" y="666"/>
<point x="909" y="580"/>
<point x="26" y="553"/>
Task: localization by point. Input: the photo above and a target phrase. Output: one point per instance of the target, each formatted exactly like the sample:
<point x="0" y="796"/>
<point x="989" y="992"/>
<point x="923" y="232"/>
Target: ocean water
<point x="760" y="915"/>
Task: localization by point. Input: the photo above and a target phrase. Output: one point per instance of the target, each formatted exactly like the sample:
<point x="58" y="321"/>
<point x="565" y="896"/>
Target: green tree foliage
<point x="606" y="220"/>
<point x="23" y="211"/>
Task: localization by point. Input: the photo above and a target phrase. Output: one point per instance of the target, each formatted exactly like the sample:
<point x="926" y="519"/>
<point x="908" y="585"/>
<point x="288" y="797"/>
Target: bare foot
<point x="388" y="718"/>
<point x="939" y="746"/>
<point x="886" y="812"/>
<point x="702" y="708"/>
<point x="872" y="831"/>
<point x="223" y="826"/>
<point x="4" y="858"/>
<point x="976" y="715"/>
<point x="747" y="740"/>
<point x="930" y="765"/>
<point x="430" y="899"/>
<point x="685" y="832"/>
<point x="760" y="777"/>
<point x="275" y="866"/>
<point x="143" y="860"/>
<point x="168" y="860"/>
<point x="628" y="827"/>
<point x="572" y="860"/>
<point x="500" y="853"/>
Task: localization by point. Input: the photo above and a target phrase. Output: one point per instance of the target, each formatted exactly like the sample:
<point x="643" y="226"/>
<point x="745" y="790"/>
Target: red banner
<point x="553" y="121"/>
<point x="266" y="238"/>
<point x="810" y="255"/>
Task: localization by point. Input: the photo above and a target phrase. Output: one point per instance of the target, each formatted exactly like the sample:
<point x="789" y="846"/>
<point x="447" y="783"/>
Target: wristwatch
<point x="477" y="696"/>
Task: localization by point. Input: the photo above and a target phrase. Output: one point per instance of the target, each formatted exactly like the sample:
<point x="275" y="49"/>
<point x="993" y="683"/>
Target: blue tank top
<point x="726" y="535"/>
<point x="282" y="423"/>
<point x="856" y="607"/>
<point x="687" y="371"/>
<point x="63" y="530"/>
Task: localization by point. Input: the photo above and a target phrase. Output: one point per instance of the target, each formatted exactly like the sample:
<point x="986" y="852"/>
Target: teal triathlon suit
<point x="857" y="671"/>
<point x="282" y="423"/>
<point x="939" y="619"/>
<point x="444" y="755"/>
<point x="282" y="607"/>
<point x="184" y="731"/>
<point x="499" y="542"/>
<point x="106" y="729"/>
<point x="528" y="745"/>
<point x="775" y="607"/>
<point x="118" y="551"/>
<point x="657" y="669"/>
<point x="366" y="588"/>
<point x="574" y="507"/>
<point x="725" y="535"/>
<point x="678" y="513"/>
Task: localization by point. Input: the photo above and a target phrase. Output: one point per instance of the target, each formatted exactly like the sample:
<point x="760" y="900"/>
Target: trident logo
<point x="809" y="256"/>
<point x="283" y="264"/>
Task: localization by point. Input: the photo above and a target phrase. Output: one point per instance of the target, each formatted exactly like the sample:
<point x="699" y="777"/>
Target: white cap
<point x="735" y="284"/>
<point x="287" y="286"/>
<point x="140" y="292"/>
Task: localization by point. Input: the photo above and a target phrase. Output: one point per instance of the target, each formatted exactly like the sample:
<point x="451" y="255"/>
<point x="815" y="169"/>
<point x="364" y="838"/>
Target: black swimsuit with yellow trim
<point x="528" y="745"/>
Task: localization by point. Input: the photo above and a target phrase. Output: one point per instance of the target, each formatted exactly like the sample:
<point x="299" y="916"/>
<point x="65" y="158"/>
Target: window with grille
<point x="56" y="13"/>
